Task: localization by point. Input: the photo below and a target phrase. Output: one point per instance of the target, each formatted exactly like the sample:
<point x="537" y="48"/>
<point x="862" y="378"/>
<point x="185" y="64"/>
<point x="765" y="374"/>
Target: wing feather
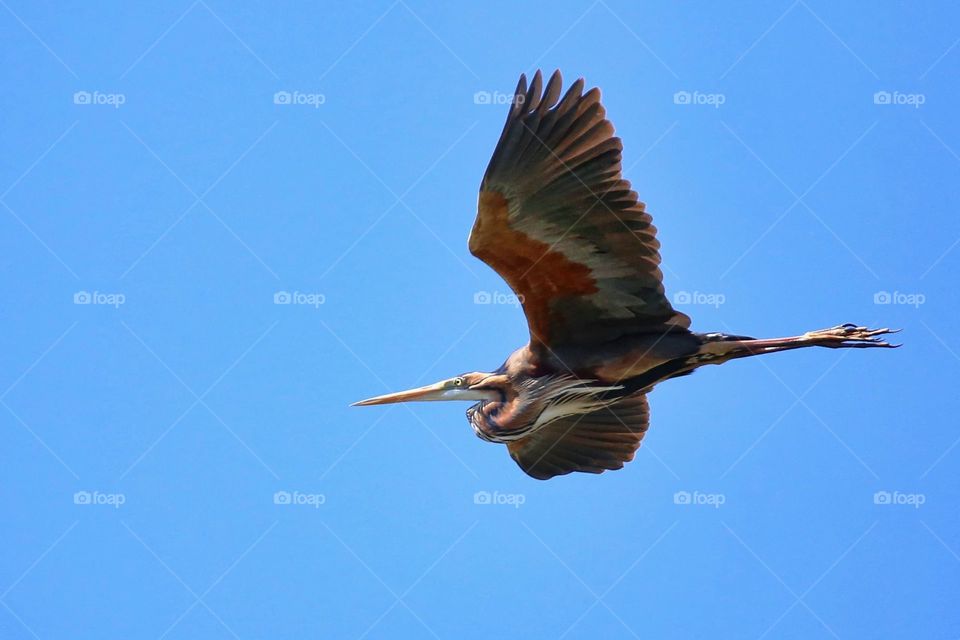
<point x="559" y="223"/>
<point x="595" y="442"/>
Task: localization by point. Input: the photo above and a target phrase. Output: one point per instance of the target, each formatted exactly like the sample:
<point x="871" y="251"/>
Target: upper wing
<point x="557" y="221"/>
<point x="594" y="442"/>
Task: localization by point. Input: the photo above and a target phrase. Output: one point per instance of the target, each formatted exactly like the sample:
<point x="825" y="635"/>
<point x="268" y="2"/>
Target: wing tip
<point x="536" y="88"/>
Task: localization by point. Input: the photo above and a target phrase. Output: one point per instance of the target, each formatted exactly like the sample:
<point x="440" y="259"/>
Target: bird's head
<point x="468" y="386"/>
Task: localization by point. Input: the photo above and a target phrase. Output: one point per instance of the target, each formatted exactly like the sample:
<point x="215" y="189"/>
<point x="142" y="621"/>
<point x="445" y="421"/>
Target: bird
<point x="559" y="223"/>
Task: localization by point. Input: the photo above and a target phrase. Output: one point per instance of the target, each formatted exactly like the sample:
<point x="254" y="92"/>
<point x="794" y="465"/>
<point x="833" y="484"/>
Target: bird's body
<point x="560" y="224"/>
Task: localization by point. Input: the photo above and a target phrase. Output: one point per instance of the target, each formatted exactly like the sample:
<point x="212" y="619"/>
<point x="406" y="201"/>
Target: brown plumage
<point x="558" y="222"/>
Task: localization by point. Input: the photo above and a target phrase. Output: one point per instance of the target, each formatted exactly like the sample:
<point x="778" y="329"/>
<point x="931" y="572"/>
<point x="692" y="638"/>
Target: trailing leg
<point x="719" y="348"/>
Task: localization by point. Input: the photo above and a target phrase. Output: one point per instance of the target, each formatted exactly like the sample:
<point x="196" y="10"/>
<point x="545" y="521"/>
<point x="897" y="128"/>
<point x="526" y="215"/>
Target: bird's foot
<point x="850" y="336"/>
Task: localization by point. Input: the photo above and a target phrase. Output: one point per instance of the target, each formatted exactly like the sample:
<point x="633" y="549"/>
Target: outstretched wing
<point x="595" y="442"/>
<point x="558" y="222"/>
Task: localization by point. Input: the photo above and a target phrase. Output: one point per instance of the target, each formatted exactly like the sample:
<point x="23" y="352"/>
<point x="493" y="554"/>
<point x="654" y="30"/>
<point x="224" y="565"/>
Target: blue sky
<point x="177" y="166"/>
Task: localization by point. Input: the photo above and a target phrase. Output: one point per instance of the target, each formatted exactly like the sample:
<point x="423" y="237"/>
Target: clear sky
<point x="179" y="459"/>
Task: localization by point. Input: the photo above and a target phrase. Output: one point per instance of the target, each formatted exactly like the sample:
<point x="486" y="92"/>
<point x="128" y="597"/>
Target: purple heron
<point x="559" y="223"/>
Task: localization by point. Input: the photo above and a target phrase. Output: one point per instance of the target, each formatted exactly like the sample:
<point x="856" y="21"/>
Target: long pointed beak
<point x="437" y="391"/>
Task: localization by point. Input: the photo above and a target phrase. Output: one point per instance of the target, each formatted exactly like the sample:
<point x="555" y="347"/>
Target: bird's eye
<point x="458" y="382"/>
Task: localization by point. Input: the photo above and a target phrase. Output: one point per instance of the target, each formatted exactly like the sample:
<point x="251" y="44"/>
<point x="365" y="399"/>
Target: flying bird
<point x="558" y="222"/>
